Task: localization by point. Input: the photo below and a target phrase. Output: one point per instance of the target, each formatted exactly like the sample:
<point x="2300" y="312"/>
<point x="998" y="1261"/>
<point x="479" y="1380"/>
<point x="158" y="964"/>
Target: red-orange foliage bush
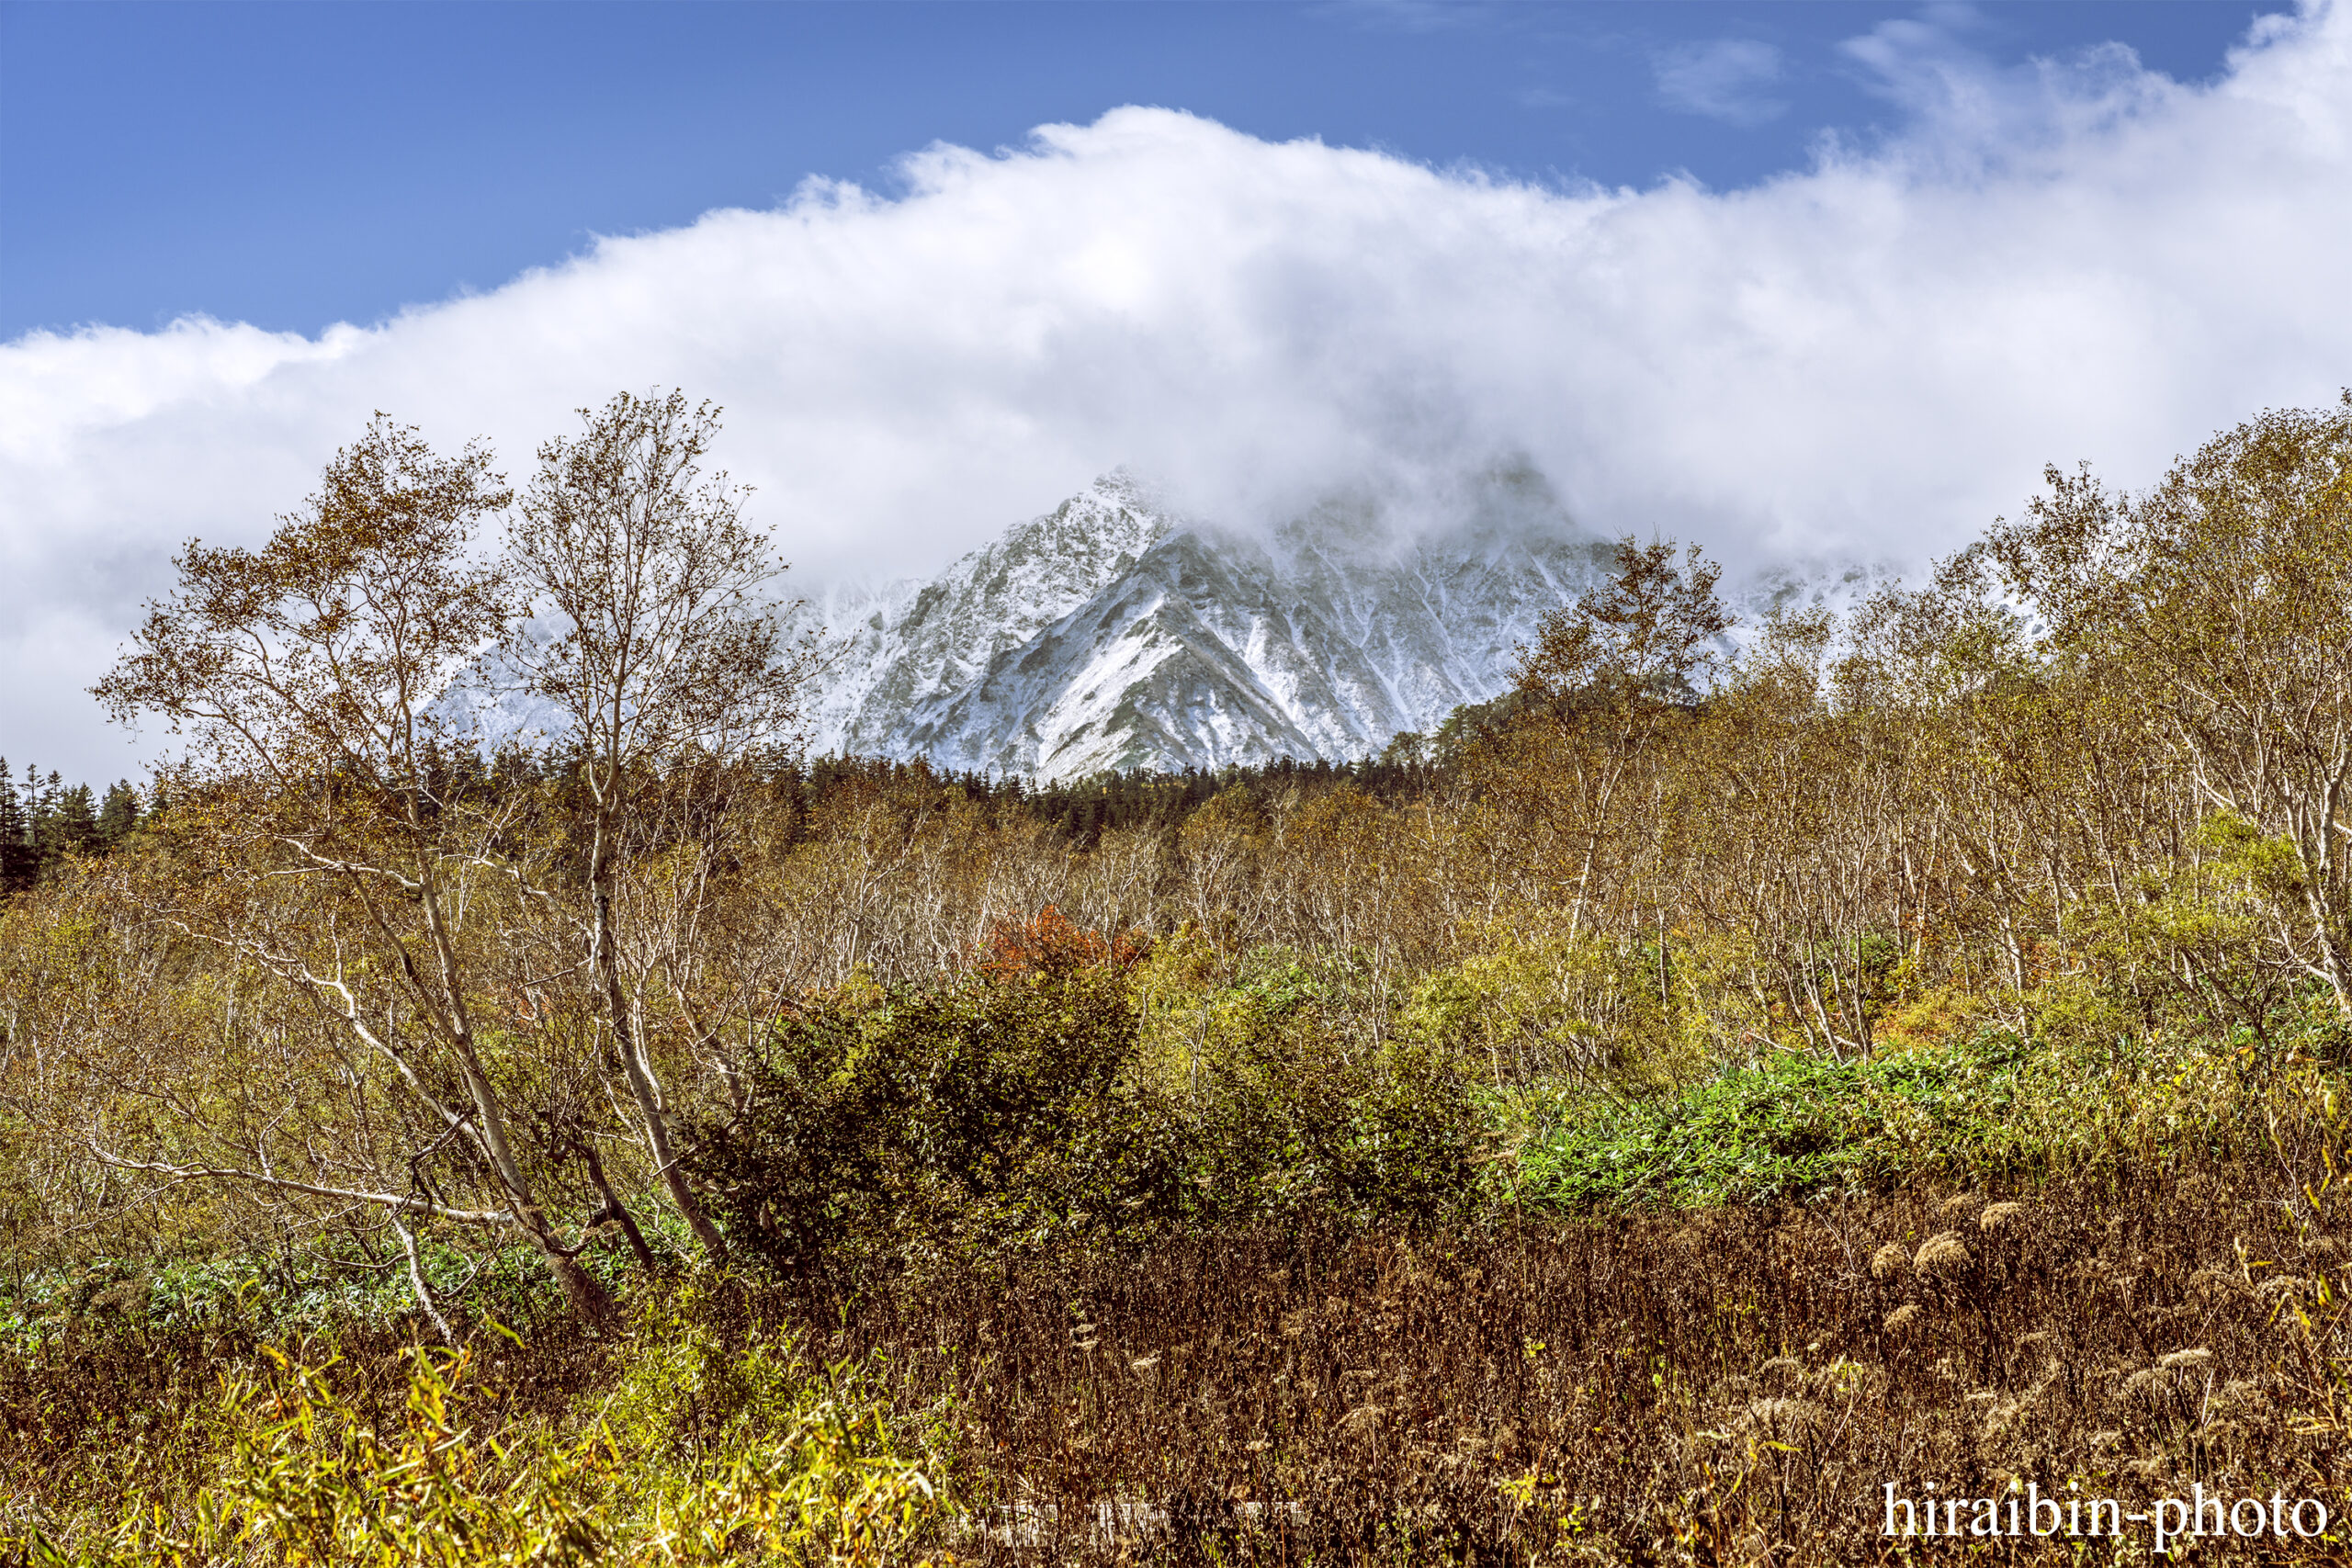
<point x="1053" y="945"/>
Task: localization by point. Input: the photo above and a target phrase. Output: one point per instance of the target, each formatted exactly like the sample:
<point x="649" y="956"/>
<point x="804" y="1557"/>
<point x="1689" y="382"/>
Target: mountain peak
<point x="1109" y="633"/>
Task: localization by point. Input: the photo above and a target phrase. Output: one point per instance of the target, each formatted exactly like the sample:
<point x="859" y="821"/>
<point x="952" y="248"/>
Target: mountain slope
<point x="1108" y="634"/>
<point x="891" y="650"/>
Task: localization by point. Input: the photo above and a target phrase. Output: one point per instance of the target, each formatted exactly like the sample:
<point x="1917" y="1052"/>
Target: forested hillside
<point x="1629" y="1124"/>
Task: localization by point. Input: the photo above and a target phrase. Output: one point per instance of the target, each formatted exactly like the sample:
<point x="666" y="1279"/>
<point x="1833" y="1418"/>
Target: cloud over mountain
<point x="1871" y="356"/>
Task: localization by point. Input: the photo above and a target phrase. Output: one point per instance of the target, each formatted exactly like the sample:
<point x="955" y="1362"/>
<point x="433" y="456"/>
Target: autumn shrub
<point x="1536" y="998"/>
<point x="710" y="1440"/>
<point x="1288" y="1108"/>
<point x="1059" y="1093"/>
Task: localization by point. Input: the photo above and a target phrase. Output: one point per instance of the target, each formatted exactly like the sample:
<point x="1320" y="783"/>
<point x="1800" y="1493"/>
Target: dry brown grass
<point x="1730" y="1386"/>
<point x="1720" y="1386"/>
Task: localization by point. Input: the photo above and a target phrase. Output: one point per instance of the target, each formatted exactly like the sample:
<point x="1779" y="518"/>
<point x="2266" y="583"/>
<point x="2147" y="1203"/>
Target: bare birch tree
<point x="666" y="652"/>
<point x="307" y="675"/>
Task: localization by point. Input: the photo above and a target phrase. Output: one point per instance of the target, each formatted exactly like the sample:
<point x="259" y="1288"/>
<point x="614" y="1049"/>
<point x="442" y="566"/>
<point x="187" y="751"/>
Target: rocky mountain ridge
<point x="1112" y="633"/>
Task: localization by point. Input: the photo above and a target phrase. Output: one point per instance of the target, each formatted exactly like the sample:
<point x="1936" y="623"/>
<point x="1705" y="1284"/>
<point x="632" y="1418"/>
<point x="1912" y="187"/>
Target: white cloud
<point x="1723" y="79"/>
<point x="1872" y="357"/>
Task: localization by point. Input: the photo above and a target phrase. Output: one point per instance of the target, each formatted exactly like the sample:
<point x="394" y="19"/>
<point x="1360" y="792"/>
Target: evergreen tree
<point x="17" y="864"/>
<point x="43" y="799"/>
<point x="117" y="814"/>
<point x="74" y="823"/>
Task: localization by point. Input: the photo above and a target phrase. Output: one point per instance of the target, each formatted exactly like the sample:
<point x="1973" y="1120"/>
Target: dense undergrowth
<point x="1984" y="1107"/>
<point x="1115" y="1251"/>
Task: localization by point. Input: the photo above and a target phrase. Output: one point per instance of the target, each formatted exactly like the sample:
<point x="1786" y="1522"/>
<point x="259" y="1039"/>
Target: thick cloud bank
<point x="1872" y="357"/>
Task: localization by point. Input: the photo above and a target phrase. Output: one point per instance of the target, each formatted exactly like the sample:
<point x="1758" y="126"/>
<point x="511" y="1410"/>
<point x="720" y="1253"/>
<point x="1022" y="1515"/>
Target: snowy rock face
<point x="1109" y="633"/>
<point x="889" y="653"/>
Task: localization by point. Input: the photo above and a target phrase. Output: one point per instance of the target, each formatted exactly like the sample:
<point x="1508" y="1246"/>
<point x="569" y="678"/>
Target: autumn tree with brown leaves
<point x="1610" y="676"/>
<point x="2220" y="603"/>
<point x="665" y="657"/>
<point x="307" y="676"/>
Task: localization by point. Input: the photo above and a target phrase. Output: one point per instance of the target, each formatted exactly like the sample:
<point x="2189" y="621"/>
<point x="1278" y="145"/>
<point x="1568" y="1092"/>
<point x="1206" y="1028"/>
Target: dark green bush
<point x="1017" y="1108"/>
<point x="1289" y="1115"/>
<point x="927" y="1114"/>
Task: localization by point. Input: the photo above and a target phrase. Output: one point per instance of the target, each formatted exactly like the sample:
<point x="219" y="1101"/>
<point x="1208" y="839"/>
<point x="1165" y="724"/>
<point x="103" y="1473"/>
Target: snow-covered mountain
<point x="1110" y="633"/>
<point x="893" y="651"/>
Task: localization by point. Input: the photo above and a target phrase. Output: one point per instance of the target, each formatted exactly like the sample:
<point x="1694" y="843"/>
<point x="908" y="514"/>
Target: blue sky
<point x="292" y="166"/>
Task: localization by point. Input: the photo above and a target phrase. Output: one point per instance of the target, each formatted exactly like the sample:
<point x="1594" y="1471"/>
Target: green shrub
<point x="1992" y="1104"/>
<point x="1081" y="1094"/>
